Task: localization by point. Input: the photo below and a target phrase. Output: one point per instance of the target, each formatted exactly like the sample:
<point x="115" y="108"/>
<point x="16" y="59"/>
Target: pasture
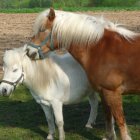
<point x="22" y="119"/>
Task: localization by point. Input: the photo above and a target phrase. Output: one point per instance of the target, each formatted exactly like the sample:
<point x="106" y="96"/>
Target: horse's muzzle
<point x="4" y="92"/>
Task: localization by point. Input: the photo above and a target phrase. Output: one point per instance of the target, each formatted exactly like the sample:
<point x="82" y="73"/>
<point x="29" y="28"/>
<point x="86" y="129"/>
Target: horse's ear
<point x="51" y="14"/>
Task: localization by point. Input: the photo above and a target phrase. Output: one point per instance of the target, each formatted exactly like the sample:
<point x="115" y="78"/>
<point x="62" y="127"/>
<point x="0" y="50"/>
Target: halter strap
<point x="38" y="47"/>
<point x="14" y="84"/>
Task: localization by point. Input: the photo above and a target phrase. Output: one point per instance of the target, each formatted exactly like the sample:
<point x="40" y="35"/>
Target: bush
<point x="40" y="3"/>
<point x="111" y="3"/>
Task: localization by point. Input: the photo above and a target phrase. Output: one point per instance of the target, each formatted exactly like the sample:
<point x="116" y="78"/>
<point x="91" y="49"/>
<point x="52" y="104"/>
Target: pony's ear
<point x="51" y="14"/>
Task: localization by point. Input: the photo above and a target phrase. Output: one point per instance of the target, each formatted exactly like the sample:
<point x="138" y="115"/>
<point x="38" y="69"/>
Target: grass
<point x="36" y="10"/>
<point x="21" y="118"/>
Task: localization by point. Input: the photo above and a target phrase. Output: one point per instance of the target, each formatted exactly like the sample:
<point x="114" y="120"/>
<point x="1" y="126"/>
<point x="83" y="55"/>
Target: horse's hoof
<point x="109" y="138"/>
<point x="89" y="126"/>
<point x="50" y="137"/>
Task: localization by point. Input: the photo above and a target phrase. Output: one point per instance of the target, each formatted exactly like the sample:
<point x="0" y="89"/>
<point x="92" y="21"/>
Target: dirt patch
<point x="16" y="28"/>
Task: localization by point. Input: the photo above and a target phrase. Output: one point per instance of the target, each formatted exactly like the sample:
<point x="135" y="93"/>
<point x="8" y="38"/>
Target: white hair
<point x="35" y="70"/>
<point x="79" y="28"/>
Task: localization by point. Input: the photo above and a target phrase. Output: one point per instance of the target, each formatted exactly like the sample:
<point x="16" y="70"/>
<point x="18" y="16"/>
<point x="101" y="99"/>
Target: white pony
<point x="54" y="81"/>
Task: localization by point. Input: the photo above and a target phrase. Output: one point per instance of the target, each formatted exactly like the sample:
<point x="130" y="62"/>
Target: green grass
<point x="23" y="10"/>
<point x="36" y="10"/>
<point x="21" y="118"/>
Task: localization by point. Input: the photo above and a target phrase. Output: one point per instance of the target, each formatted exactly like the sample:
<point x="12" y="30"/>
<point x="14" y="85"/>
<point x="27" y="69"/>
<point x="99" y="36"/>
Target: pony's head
<point x="42" y="41"/>
<point x="13" y="71"/>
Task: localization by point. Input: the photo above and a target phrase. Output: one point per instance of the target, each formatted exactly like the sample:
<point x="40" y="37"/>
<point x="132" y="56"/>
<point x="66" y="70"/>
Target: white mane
<point x="79" y="28"/>
<point x="35" y="70"/>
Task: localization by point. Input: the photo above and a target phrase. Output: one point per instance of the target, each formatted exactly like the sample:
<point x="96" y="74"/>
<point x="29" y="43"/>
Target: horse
<point x="53" y="82"/>
<point x="108" y="52"/>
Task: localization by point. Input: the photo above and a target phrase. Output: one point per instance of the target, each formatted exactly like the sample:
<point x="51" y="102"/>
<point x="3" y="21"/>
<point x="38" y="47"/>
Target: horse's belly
<point x="79" y="88"/>
<point x="76" y="96"/>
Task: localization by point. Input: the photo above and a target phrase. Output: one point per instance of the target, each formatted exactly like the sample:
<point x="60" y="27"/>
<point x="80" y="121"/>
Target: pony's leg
<point x="93" y="101"/>
<point x="112" y="101"/>
<point x="58" y="113"/>
<point x="50" y="119"/>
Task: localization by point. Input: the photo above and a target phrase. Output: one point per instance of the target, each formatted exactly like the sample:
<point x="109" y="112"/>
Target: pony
<point x="53" y="82"/>
<point x="108" y="52"/>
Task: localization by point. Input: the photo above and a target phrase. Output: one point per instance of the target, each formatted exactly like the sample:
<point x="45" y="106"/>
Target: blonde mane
<point x="79" y="28"/>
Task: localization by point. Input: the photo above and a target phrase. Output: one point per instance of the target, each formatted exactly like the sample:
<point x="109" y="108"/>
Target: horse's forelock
<point x="13" y="56"/>
<point x="40" y="21"/>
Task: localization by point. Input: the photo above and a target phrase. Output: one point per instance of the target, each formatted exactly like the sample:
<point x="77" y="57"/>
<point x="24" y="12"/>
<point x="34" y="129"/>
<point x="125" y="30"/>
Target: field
<point x="22" y="119"/>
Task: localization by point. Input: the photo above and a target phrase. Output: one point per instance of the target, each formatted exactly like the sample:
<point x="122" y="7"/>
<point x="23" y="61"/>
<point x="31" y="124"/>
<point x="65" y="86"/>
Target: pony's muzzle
<point x="4" y="92"/>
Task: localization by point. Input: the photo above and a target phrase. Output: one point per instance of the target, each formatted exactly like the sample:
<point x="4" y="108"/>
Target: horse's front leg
<point x="110" y="132"/>
<point x="58" y="113"/>
<point x="50" y="119"/>
<point x="93" y="101"/>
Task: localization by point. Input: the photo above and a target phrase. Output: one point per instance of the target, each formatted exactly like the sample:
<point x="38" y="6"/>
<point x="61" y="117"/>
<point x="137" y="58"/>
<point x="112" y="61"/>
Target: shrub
<point x="40" y="3"/>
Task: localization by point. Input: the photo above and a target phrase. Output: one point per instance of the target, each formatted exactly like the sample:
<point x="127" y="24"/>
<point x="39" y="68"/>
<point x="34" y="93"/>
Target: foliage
<point x="66" y="3"/>
<point x="70" y="3"/>
<point x="36" y="10"/>
<point x="40" y="3"/>
<point x="109" y="3"/>
<point x="95" y="3"/>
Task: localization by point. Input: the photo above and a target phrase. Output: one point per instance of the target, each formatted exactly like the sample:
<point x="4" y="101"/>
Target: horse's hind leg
<point x="93" y="101"/>
<point x="50" y="119"/>
<point x="112" y="101"/>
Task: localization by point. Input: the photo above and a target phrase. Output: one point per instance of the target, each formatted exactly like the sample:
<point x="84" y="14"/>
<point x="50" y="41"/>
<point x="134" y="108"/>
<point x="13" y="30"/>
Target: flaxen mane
<point x="79" y="28"/>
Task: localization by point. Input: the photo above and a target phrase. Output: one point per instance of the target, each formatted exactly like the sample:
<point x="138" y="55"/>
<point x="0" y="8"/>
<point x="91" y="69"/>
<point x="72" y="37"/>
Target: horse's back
<point x="117" y="63"/>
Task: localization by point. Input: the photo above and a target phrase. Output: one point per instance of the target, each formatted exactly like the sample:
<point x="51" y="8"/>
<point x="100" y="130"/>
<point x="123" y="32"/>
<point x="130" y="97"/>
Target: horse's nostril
<point x="4" y="91"/>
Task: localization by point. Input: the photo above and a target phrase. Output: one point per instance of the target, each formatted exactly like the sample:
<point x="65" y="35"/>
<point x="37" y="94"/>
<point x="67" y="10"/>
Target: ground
<point x="15" y="29"/>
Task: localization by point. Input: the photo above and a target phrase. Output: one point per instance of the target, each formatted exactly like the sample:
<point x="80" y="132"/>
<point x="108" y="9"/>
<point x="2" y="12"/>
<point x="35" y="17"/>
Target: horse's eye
<point x="15" y="70"/>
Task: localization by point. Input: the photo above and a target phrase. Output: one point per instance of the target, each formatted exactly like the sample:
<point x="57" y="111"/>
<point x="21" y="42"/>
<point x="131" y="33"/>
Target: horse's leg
<point x="110" y="132"/>
<point x="112" y="101"/>
<point x="58" y="113"/>
<point x="93" y="101"/>
<point x="50" y="119"/>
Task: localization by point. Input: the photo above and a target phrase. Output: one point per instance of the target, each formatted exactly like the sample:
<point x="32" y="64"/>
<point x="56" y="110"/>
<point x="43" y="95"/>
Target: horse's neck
<point x="39" y="73"/>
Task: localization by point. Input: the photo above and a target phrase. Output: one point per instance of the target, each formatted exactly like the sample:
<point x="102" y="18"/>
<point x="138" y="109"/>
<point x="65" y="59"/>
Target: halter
<point x="38" y="47"/>
<point x="14" y="84"/>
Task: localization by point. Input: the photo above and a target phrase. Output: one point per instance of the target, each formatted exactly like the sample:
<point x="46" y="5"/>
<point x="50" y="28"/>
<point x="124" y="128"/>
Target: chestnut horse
<point x="108" y="52"/>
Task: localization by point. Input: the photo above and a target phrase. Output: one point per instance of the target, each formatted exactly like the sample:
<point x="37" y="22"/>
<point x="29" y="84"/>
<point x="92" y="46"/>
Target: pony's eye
<point x="15" y="70"/>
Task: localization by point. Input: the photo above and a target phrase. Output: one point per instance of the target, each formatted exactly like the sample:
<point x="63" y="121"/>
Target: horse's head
<point x="42" y="42"/>
<point x="13" y="71"/>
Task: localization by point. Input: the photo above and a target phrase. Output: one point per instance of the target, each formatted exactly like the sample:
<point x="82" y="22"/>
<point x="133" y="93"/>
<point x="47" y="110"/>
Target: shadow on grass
<point x="29" y="115"/>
